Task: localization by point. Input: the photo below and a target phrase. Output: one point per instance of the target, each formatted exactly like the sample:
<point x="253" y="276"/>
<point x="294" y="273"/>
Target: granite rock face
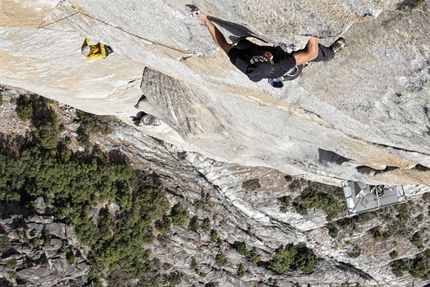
<point x="38" y="247"/>
<point x="369" y="105"/>
<point x="214" y="191"/>
<point x="218" y="199"/>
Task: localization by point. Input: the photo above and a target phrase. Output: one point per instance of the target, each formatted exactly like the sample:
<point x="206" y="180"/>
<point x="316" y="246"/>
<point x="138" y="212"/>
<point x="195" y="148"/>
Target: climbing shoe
<point x="338" y="45"/>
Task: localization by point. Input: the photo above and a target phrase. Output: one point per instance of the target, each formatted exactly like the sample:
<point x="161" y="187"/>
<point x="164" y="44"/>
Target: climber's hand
<point x="198" y="14"/>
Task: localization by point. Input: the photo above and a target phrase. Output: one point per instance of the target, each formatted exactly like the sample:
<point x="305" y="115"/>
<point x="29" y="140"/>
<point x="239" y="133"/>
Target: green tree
<point x="289" y="257"/>
<point x="163" y="225"/>
<point x="76" y="185"/>
<point x="182" y="155"/>
<point x="4" y="244"/>
<point x="70" y="257"/>
<point x="305" y="260"/>
<point x="356" y="251"/>
<point x="214" y="235"/>
<point x="46" y="237"/>
<point x="92" y="124"/>
<point x="398" y="267"/>
<point x="419" y="267"/>
<point x="12" y="263"/>
<point x="241" y="248"/>
<point x="241" y="270"/>
<point x="285" y="203"/>
<point x="394" y="254"/>
<point x="48" y="135"/>
<point x="376" y="234"/>
<point x="251" y="184"/>
<point x="300" y="208"/>
<point x="312" y="197"/>
<point x="283" y="259"/>
<point x="402" y="212"/>
<point x="206" y="224"/>
<point x="220" y="259"/>
<point x="48" y="101"/>
<point x="254" y="256"/>
<point x="417" y="240"/>
<point x="174" y="278"/>
<point x="179" y="215"/>
<point x="332" y="230"/>
<point x="24" y="109"/>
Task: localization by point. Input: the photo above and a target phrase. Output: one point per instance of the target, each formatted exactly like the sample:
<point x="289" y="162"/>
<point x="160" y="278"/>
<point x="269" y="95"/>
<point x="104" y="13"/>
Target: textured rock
<point x="40" y="263"/>
<point x="254" y="217"/>
<point x="362" y="116"/>
<point x="368" y="105"/>
<point x="39" y="205"/>
<point x="215" y="191"/>
<point x="56" y="229"/>
<point x="49" y="275"/>
<point x="56" y="244"/>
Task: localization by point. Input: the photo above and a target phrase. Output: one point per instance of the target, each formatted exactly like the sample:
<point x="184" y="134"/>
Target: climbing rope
<point x="43" y="26"/>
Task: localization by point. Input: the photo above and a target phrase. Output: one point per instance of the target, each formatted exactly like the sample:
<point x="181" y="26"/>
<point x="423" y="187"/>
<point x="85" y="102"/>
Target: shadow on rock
<point x="240" y="32"/>
<point x="350" y="268"/>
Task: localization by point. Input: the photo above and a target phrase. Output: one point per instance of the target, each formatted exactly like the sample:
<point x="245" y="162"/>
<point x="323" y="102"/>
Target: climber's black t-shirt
<point x="282" y="60"/>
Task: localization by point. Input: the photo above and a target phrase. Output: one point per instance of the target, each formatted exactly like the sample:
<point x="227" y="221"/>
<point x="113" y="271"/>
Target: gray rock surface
<point x="367" y="110"/>
<point x="39" y="205"/>
<point x="214" y="191"/>
<point x="368" y="105"/>
<point x="254" y="217"/>
<point x="38" y="261"/>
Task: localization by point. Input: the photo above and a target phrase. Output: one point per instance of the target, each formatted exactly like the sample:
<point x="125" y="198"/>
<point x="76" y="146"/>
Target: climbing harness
<point x="187" y="53"/>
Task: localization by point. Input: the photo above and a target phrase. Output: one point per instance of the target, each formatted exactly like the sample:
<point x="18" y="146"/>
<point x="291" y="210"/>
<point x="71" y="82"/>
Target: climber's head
<point x="259" y="67"/>
<point x="85" y="50"/>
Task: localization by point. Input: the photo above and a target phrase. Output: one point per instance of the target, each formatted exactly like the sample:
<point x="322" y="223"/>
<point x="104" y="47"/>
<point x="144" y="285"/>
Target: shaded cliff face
<point x="228" y="205"/>
<point x="368" y="106"/>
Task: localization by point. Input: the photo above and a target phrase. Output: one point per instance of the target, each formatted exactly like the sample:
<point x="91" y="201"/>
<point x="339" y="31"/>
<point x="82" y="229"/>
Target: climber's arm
<point x="215" y="33"/>
<point x="309" y="54"/>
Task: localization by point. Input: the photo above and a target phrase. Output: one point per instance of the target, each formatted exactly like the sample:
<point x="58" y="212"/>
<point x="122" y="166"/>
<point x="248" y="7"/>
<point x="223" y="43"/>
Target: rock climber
<point x="259" y="62"/>
<point x="95" y="52"/>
